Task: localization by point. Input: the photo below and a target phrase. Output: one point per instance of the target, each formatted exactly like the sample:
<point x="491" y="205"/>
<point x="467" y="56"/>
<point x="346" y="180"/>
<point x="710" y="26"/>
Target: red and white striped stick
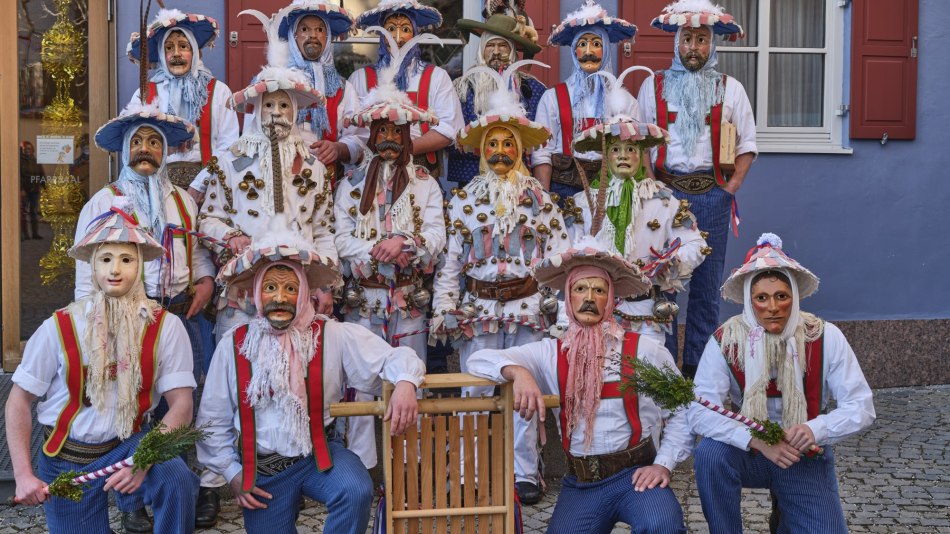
<point x="104" y="472"/>
<point x="744" y="420"/>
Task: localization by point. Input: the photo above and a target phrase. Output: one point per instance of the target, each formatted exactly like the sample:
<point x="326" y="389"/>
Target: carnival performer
<point x="577" y="103"/>
<point x="615" y="473"/>
<point x="310" y="27"/>
<point x="785" y="365"/>
<point x="102" y="363"/>
<point x="429" y="87"/>
<point x="644" y="223"/>
<point x="272" y="382"/>
<point x="695" y="104"/>
<point x="501" y="224"/>
<point x="390" y="234"/>
<point x="269" y="171"/>
<point x="500" y="39"/>
<point x="182" y="85"/>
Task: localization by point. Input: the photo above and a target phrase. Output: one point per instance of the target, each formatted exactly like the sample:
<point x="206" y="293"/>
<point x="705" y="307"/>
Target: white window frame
<point x="826" y="139"/>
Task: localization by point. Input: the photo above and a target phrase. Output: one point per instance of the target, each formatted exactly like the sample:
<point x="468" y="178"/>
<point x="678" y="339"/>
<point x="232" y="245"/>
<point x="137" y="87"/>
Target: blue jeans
<point x="595" y="507"/>
<point x="807" y="492"/>
<point x="346" y="489"/>
<point x="170" y="488"/>
<point x="713" y="211"/>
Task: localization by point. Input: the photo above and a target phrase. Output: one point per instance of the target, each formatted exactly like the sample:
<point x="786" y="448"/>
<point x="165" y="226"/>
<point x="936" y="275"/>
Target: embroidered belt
<point x="502" y="291"/>
<point x="82" y="453"/>
<point x="272" y="464"/>
<point x="694" y="183"/>
<point x="641" y="318"/>
<point x="601" y="466"/>
<point x="182" y="173"/>
<point x="401" y="281"/>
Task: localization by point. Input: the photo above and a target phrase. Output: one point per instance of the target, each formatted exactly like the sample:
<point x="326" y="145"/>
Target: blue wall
<point x="127" y="16"/>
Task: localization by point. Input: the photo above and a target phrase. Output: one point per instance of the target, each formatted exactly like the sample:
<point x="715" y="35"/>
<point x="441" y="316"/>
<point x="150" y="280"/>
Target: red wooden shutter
<point x="652" y="48"/>
<point x="884" y="69"/>
<point x="248" y="54"/>
<point x="545" y="15"/>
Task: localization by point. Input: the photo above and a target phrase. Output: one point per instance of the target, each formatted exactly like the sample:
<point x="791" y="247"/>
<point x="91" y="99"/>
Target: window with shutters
<point x="791" y="64"/>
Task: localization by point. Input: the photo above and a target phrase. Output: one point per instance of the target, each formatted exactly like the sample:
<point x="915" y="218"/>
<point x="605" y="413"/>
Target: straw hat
<point x="502" y="26"/>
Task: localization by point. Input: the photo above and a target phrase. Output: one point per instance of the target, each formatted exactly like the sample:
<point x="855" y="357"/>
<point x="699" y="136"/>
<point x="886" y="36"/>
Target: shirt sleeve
<point x="444" y="102"/>
<point x="201" y="261"/>
<point x="712" y="383"/>
<point x="447" y="279"/>
<point x="547" y="116"/>
<point x="646" y="101"/>
<point x="225" y="130"/>
<point x="538" y="358"/>
<point x="433" y="224"/>
<point x="676" y="443"/>
<point x="367" y="358"/>
<point x="175" y="359"/>
<point x="845" y="381"/>
<point x="354" y="138"/>
<point x="743" y="119"/>
<point x="351" y="248"/>
<point x="212" y="218"/>
<point x="40" y="360"/>
<point x="690" y="254"/>
<point x="218" y="452"/>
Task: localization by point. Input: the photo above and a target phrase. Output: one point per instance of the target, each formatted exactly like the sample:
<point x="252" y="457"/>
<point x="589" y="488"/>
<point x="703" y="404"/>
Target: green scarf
<point x="621" y="214"/>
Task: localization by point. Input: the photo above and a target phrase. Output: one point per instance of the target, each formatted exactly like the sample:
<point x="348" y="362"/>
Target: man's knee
<point x="174" y="478"/>
<point x="712" y="457"/>
<point x="663" y="516"/>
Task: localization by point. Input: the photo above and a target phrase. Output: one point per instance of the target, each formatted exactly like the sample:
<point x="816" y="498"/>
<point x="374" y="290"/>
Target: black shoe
<point x="689" y="371"/>
<point x="207" y="508"/>
<point x="137" y="521"/>
<point x="528" y="492"/>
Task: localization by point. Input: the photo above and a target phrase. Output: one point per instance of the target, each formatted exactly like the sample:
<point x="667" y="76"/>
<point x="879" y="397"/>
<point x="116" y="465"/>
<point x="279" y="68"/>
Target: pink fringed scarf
<point x="586" y="350"/>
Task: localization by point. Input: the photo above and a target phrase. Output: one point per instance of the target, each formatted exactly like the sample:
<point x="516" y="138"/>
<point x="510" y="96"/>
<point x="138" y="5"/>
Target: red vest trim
<point x="248" y="438"/>
<point x="566" y="116"/>
<point x="149" y="363"/>
<point x="419" y="99"/>
<point x="333" y="108"/>
<point x="610" y="390"/>
<point x="203" y="123"/>
<point x="370" y="78"/>
<point x="664" y="117"/>
<point x="186" y="222"/>
<point x="814" y="375"/>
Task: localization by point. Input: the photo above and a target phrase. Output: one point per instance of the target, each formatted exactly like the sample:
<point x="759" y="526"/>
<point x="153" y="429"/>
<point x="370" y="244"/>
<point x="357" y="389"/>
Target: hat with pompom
<point x="627" y="279"/>
<point x="177" y="130"/>
<point x="425" y="17"/>
<point x="336" y="18"/>
<point x="697" y="13"/>
<point x="591" y="15"/>
<point x="204" y="29"/>
<point x="116" y="226"/>
<point x="768" y="255"/>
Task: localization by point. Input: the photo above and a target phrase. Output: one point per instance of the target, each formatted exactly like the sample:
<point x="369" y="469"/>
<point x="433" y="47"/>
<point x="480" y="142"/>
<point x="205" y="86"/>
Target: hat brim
<point x="533" y="134"/>
<point x="617" y="30"/>
<point x="84" y="252"/>
<point x="239" y="272"/>
<point x="807" y="282"/>
<point x="389" y="111"/>
<point x="306" y="96"/>
<point x="116" y="227"/>
<point x="205" y="30"/>
<point x="627" y="279"/>
<point x="177" y="130"/>
<point x="525" y="45"/>
<point x="425" y="17"/>
<point x="723" y="24"/>
<point x="645" y="135"/>
<point x="335" y="17"/>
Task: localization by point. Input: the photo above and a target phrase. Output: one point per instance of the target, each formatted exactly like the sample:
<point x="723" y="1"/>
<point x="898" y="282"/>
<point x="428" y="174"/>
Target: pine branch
<point x="159" y="446"/>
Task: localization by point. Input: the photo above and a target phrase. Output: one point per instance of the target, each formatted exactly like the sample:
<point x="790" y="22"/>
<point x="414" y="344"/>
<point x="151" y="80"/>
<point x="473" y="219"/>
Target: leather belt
<point x="180" y="307"/>
<point x="502" y="291"/>
<point x="272" y="464"/>
<point x="601" y="466"/>
<point x="694" y="183"/>
<point x="649" y="295"/>
<point x="401" y="281"/>
<point x="82" y="453"/>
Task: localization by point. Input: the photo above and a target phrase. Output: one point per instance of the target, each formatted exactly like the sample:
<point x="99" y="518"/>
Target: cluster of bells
<point x="354" y="297"/>
<point x="248" y="185"/>
<point x="302" y="182"/>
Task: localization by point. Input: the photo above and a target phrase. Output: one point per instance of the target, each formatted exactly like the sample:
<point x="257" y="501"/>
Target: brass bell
<point x="542" y="229"/>
<point x="467" y="210"/>
<point x="421" y="297"/>
<point x="665" y="310"/>
<point x="461" y="194"/>
<point x="468" y="310"/>
<point x="556" y="197"/>
<point x="297" y="181"/>
<point x="307" y="173"/>
<point x="522" y="219"/>
<point x="252" y="194"/>
<point x="243" y="186"/>
<point x="258" y="183"/>
<point x="549" y="304"/>
<point x="302" y="191"/>
<point x="481" y="217"/>
<point x="458" y="223"/>
<point x="353" y="298"/>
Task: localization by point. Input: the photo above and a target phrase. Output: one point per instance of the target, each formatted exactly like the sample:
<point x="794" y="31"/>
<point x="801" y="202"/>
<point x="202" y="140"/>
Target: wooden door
<point x="652" y="48"/>
<point x="546" y="14"/>
<point x="246" y="41"/>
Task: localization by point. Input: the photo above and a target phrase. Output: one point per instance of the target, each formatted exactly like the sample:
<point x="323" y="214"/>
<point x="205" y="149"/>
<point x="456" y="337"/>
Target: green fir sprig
<point x="668" y="389"/>
<point x="159" y="446"/>
<point x="772" y="434"/>
<point x="63" y="486"/>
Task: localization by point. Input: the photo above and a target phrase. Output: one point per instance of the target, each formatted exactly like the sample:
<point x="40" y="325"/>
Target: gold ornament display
<point x="63" y="56"/>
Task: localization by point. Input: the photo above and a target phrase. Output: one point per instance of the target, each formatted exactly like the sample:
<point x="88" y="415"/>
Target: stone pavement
<point x="894" y="478"/>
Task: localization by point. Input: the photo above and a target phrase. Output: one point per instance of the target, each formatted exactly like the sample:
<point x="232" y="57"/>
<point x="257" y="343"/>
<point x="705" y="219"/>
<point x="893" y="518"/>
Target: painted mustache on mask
<point x="279" y="306"/>
<point x="140" y="157"/>
<point x="389" y="145"/>
<point x="588" y="307"/>
<point x="177" y="61"/>
<point x="589" y="58"/>
<point x="277" y="121"/>
<point x="500" y="158"/>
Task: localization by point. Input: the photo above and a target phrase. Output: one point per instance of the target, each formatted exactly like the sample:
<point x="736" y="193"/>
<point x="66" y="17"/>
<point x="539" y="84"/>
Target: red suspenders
<point x="203" y="122"/>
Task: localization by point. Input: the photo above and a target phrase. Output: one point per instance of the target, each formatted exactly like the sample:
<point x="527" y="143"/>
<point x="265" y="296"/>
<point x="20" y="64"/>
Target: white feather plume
<point x="278" y="51"/>
<point x="618" y="101"/>
<point x="503" y="100"/>
<point x="386" y="90"/>
<point x="694" y="6"/>
<point x="168" y="14"/>
<point x="771" y="239"/>
<point x="590" y="9"/>
<point x="136" y="106"/>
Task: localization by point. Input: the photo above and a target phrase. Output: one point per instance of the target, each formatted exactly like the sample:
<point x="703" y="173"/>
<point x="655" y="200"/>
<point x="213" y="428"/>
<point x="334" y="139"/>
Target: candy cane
<point x="745" y="420"/>
<point x="105" y="471"/>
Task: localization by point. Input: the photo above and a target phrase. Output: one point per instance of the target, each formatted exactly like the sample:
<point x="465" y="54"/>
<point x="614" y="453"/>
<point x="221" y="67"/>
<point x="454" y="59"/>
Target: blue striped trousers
<point x="713" y="211"/>
<point x="595" y="507"/>
<point x="346" y="489"/>
<point x="170" y="488"/>
<point x="807" y="492"/>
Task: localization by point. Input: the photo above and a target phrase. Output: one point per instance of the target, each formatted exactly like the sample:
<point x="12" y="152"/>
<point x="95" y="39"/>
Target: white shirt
<point x="351" y="136"/>
<point x="422" y="192"/>
<point x="43" y="372"/>
<point x="844" y="382"/>
<point x="224" y="122"/>
<point x="201" y="258"/>
<point x="735" y="109"/>
<point x="352" y="355"/>
<point x="549" y="115"/>
<point x="611" y="426"/>
<point x="443" y="101"/>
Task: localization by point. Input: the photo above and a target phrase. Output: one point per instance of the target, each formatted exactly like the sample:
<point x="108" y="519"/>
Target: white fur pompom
<point x="771" y="239"/>
<point x="693" y="6"/>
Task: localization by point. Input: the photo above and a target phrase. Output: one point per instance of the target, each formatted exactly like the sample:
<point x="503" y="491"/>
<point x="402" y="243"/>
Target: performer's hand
<point x="801" y="437"/>
<point x="204" y="288"/>
<point x="388" y="250"/>
<point x="125" y="481"/>
<point x="403" y="260"/>
<point x="731" y="188"/>
<point x="649" y="477"/>
<point x="30" y="490"/>
<point x="781" y="454"/>
<point x="528" y="398"/>
<point x="248" y="500"/>
<point x="325" y="151"/>
<point x="324" y="301"/>
<point x="238" y="243"/>
<point x="403" y="408"/>
<point x="198" y="196"/>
